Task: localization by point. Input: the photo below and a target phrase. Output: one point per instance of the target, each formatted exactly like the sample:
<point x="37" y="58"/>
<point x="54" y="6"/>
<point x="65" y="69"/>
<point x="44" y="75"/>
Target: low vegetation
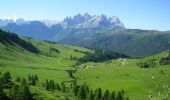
<point x="53" y="73"/>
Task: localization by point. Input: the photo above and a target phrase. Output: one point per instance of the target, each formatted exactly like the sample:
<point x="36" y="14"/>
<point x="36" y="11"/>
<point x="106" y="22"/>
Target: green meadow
<point x="138" y="83"/>
<point x="54" y="61"/>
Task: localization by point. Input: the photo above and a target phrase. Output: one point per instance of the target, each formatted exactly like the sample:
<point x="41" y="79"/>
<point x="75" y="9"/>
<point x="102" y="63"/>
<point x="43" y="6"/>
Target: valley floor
<point x="138" y="83"/>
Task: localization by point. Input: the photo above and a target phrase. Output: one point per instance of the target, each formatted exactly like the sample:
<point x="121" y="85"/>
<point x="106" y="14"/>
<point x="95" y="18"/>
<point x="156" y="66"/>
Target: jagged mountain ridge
<point x="77" y="21"/>
<point x="95" y="32"/>
<point x="88" y="21"/>
<point x="52" y="30"/>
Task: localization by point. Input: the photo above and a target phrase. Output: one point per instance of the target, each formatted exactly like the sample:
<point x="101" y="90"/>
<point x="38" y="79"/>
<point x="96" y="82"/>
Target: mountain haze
<point x="94" y="31"/>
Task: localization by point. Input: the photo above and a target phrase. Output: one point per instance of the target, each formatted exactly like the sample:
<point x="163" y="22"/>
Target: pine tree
<point x="58" y="87"/>
<point x="6" y="79"/>
<point x="1" y="92"/>
<point x="52" y="85"/>
<point x="91" y="95"/>
<point x="29" y="78"/>
<point x="119" y="96"/>
<point x="26" y="93"/>
<point x="98" y="95"/>
<point x="63" y="87"/>
<point x="15" y="92"/>
<point x="23" y="82"/>
<point x="47" y="85"/>
<point x="113" y="95"/>
<point x="106" y="95"/>
<point x="75" y="90"/>
<point x="81" y="93"/>
<point x="36" y="78"/>
<point x="33" y="81"/>
<point x="86" y="88"/>
<point x="122" y="91"/>
<point x="18" y="79"/>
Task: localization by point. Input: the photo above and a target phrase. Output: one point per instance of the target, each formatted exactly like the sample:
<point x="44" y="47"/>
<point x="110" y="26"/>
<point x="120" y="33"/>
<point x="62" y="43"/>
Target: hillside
<point x="102" y="70"/>
<point x="52" y="61"/>
<point x="132" y="42"/>
<point x="27" y="57"/>
<point x="139" y="83"/>
<point x="93" y="31"/>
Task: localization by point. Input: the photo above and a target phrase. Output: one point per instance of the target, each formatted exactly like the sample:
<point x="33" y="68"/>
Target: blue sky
<point x="140" y="14"/>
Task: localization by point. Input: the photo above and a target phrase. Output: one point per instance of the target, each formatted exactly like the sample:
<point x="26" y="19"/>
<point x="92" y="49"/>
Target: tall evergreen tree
<point x="98" y="95"/>
<point x="119" y="96"/>
<point x="81" y="93"/>
<point x="91" y="95"/>
<point x="36" y="78"/>
<point x="26" y="93"/>
<point x="106" y="95"/>
<point x="6" y="80"/>
<point x="63" y="87"/>
<point x="112" y="95"/>
<point x="15" y="92"/>
<point x="33" y="81"/>
<point x="18" y="79"/>
<point x="1" y="92"/>
<point x="58" y="87"/>
<point x="86" y="88"/>
<point x="46" y="84"/>
<point x="52" y="85"/>
<point x="23" y="82"/>
<point x="75" y="90"/>
<point x="29" y="78"/>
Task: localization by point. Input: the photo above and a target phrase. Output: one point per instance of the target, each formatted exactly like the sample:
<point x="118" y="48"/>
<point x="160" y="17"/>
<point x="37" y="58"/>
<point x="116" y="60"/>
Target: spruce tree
<point x="23" y="82"/>
<point x="119" y="96"/>
<point x="36" y="78"/>
<point x="18" y="79"/>
<point x="15" y="92"/>
<point x="91" y="95"/>
<point x="98" y="95"/>
<point x="29" y="78"/>
<point x="112" y="95"/>
<point x="26" y="95"/>
<point x="81" y="93"/>
<point x="63" y="87"/>
<point x="47" y="85"/>
<point x="1" y="92"/>
<point x="58" y="87"/>
<point x="33" y="81"/>
<point x="86" y="88"/>
<point x="75" y="90"/>
<point x="52" y="85"/>
<point x="106" y="95"/>
<point x="6" y="79"/>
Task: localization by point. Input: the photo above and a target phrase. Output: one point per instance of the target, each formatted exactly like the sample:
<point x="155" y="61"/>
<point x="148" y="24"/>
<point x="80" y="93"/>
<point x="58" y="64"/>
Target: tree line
<point x="100" y="55"/>
<point x="11" y="38"/>
<point x="83" y="92"/>
<point x="154" y="62"/>
<point x="20" y="89"/>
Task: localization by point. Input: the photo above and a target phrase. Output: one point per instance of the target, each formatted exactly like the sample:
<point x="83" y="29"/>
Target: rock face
<point x="93" y="31"/>
<point x="88" y="21"/>
<point x="54" y="30"/>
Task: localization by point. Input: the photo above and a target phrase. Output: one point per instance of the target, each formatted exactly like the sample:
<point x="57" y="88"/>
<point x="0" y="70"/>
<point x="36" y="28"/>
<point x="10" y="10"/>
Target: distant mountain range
<point x="95" y="31"/>
<point x="77" y="21"/>
<point x="49" y="29"/>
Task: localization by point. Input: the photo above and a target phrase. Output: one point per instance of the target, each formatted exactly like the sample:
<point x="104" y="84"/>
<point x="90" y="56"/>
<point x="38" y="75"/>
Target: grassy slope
<point x="46" y="65"/>
<point x="137" y="82"/>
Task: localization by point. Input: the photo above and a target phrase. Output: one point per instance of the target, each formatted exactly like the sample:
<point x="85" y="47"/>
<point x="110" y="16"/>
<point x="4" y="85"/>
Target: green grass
<point x="137" y="82"/>
<point x="54" y="65"/>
